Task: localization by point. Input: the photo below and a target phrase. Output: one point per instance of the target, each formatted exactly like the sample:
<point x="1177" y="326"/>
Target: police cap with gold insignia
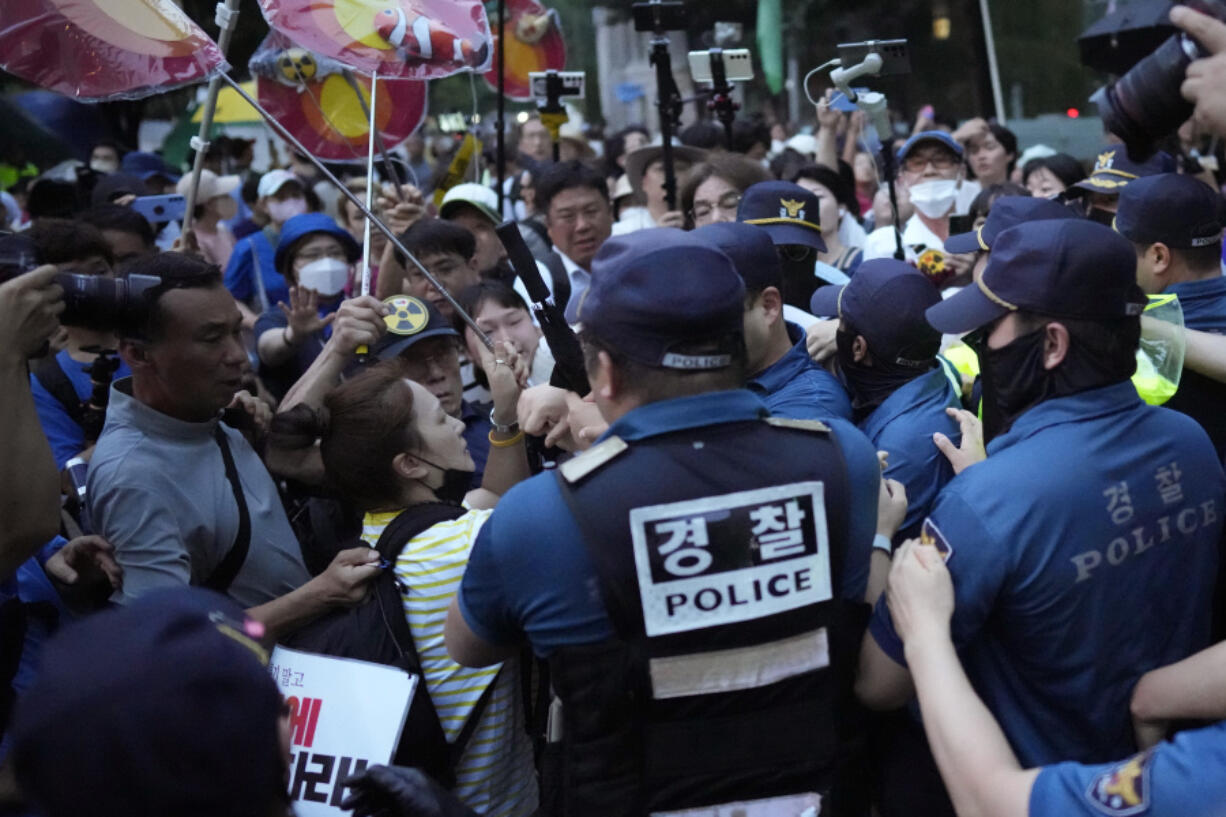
<point x="1075" y="268"/>
<point x="409" y="320"/>
<point x="787" y="212"/>
<point x="1180" y="211"/>
<point x="1113" y="170"/>
<point x="656" y="293"/>
<point x="1006" y="212"/>
<point x="751" y="250"/>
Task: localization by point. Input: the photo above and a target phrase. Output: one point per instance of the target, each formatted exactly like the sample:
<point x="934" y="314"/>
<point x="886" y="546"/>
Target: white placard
<point x="345" y="715"/>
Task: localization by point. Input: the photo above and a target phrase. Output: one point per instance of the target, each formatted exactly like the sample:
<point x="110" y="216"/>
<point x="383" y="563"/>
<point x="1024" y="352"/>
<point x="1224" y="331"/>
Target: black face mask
<point x="456" y="483"/>
<point x="1015" y="380"/>
<point x="1102" y="216"/>
<point x="869" y="385"/>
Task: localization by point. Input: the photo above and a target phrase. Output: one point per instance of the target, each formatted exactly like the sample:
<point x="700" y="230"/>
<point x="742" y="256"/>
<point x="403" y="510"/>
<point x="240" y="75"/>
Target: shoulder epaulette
<point x="595" y="457"/>
<point x="804" y="425"/>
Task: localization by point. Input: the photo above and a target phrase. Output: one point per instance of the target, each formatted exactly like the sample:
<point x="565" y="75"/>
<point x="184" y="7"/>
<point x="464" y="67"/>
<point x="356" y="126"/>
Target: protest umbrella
<point x="95" y="50"/>
<point x="533" y="43"/>
<point x="1118" y="40"/>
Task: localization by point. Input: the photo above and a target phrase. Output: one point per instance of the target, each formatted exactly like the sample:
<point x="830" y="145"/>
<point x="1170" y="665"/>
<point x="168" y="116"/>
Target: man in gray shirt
<point x="159" y="485"/>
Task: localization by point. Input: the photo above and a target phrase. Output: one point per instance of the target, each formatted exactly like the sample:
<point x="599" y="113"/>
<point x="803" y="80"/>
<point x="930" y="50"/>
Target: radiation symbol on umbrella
<point x="534" y="43"/>
<point x="408" y="315"/>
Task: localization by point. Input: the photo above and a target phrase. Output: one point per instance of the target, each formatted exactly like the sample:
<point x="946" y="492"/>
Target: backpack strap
<point x="226" y="571"/>
<point x="52" y="377"/>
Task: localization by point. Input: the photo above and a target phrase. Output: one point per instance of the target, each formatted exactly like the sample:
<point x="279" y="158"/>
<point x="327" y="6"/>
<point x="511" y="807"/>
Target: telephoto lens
<point x="105" y="304"/>
<point x="1145" y="105"/>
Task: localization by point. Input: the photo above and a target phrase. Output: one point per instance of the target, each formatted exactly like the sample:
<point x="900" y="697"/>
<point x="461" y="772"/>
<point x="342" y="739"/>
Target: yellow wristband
<point x="519" y="436"/>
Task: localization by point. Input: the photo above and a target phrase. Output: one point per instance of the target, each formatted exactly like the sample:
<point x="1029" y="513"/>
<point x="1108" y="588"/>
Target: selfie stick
<point x="873" y="104"/>
<point x="374" y="220"/>
<point x="552" y="111"/>
<point x="721" y="94"/>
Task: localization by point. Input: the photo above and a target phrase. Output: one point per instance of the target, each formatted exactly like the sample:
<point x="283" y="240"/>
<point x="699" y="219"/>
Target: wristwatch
<point x="512" y="428"/>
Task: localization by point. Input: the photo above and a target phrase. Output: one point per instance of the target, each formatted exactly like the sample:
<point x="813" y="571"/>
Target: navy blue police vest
<point x="719" y="552"/>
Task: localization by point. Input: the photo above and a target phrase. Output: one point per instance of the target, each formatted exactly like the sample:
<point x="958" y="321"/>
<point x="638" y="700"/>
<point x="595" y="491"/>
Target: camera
<point x="1144" y="104"/>
<point x="90" y="301"/>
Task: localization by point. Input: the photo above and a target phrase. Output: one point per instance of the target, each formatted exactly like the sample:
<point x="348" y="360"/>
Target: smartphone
<point x="895" y="59"/>
<point x="659" y="15"/>
<point x="160" y="209"/>
<point x="961" y="224"/>
<point x="738" y="64"/>
<point x="572" y="83"/>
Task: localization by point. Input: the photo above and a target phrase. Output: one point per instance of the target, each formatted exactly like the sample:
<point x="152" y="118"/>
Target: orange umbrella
<point x="534" y="43"/>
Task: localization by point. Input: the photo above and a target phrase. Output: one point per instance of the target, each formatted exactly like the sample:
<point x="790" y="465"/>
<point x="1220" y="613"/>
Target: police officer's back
<point x="695" y="578"/>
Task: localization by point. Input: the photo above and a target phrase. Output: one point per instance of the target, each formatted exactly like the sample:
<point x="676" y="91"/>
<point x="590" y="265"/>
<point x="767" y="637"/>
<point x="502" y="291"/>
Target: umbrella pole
<point x="993" y="70"/>
<point x="370" y="184"/>
<point x="372" y="219"/>
<point x="376" y="138"/>
<point x="227" y="17"/>
<point x="500" y="125"/>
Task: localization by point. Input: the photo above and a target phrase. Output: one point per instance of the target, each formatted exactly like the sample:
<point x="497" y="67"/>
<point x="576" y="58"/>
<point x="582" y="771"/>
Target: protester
<point x="504" y="317"/>
<point x="903" y="395"/>
<point x="991" y="152"/>
<point x="713" y="188"/>
<point x="663" y="351"/>
<point x="151" y="169"/>
<point x="251" y="275"/>
<point x="841" y="230"/>
<point x="931" y="168"/>
<point x="316" y="258"/>
<point x="781" y="372"/>
<point x="575" y="201"/>
<point x="215" y="204"/>
<point x="1050" y="562"/>
<point x="645" y="170"/>
<point x="219" y="524"/>
<point x="393" y="451"/>
<point x="1049" y="176"/>
<point x="475" y="208"/>
<point x="126" y="231"/>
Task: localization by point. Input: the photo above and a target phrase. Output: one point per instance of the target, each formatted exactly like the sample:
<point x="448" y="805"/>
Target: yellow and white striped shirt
<point x="495" y="776"/>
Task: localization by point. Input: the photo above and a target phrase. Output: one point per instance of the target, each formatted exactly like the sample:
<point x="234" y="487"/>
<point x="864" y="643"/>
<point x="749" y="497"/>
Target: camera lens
<point x="102" y="303"/>
<point x="1145" y="105"/>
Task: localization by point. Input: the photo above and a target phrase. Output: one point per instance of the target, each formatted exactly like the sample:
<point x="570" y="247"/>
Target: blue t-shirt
<point x="255" y="250"/>
<point x="797" y="388"/>
<point x="1178" y="778"/>
<point x="477" y="429"/>
<point x="1084" y="551"/>
<point x="66" y="437"/>
<point x="903" y="425"/>
<point x="281" y="377"/>
<point x="529" y="573"/>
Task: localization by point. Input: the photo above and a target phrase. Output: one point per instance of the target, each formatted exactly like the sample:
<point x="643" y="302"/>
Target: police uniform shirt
<point x="903" y="425"/>
<point x="1083" y="554"/>
<point x="529" y="572"/>
<point x="1200" y="397"/>
<point x="796" y="387"/>
<point x="1176" y="778"/>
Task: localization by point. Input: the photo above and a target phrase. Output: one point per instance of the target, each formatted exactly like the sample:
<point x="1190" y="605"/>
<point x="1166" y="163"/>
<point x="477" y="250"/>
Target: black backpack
<point x="376" y="630"/>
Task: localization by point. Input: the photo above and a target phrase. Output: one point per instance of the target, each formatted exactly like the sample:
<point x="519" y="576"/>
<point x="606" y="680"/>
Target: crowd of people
<point x="798" y="495"/>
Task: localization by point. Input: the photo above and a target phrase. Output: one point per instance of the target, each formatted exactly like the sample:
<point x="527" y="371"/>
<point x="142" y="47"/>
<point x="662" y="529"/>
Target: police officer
<point x="1006" y="212"/>
<point x="1083" y="549"/>
<point x="781" y="371"/>
<point x="790" y="216"/>
<point x="692" y="578"/>
<point x="903" y="395"/>
<point x="1177" y="778"/>
<point x="1114" y="170"/>
<point x="1174" y="223"/>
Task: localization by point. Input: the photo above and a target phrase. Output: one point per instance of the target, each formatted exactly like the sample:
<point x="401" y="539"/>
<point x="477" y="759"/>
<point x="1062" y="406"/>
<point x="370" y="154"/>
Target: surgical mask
<point x="283" y="211"/>
<point x="934" y="199"/>
<point x="103" y="165"/>
<point x="327" y="276"/>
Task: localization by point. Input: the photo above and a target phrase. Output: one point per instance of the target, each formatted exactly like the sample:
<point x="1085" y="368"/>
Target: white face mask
<point x="283" y="211"/>
<point x="327" y="276"/>
<point x="103" y="165"/>
<point x="934" y="199"/>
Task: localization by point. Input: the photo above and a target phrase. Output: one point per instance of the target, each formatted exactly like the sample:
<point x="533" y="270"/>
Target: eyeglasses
<point x="728" y="203"/>
<point x="940" y="159"/>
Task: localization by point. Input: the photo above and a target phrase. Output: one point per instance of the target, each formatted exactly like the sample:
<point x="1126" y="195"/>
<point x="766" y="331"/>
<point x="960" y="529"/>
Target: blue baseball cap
<point x="1006" y="212"/>
<point x="146" y="165"/>
<point x="938" y="136"/>
<point x="303" y="225"/>
<point x="654" y="290"/>
<point x="751" y="250"/>
<point x="1073" y="268"/>
<point x="1180" y="211"/>
<point x="177" y="680"/>
<point x="1114" y="170"/>
<point x="409" y="321"/>
<point x="787" y="212"/>
<point x="885" y="301"/>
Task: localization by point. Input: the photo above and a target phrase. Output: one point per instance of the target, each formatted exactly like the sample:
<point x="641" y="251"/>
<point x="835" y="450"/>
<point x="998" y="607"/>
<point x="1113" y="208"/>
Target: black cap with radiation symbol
<point x="409" y="320"/>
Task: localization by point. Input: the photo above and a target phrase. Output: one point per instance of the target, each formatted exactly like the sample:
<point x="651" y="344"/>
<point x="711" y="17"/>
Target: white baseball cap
<point x="274" y="180"/>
